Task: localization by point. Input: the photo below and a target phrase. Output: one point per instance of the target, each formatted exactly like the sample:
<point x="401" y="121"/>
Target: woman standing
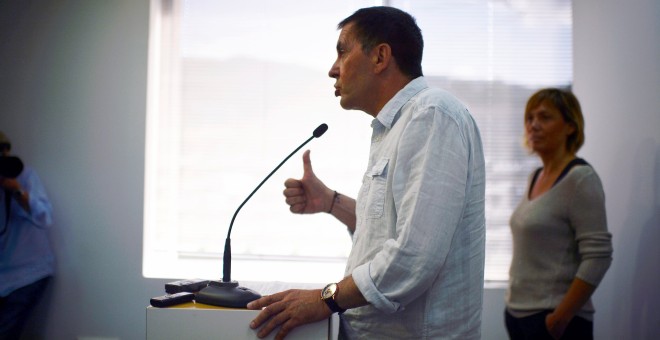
<point x="561" y="246"/>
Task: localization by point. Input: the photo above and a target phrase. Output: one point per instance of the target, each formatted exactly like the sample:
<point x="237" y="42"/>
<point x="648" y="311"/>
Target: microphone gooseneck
<point x="226" y="270"/>
<point x="227" y="293"/>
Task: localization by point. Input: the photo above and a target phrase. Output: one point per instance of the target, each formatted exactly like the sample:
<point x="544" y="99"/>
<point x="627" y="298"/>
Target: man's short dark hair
<point x="392" y="26"/>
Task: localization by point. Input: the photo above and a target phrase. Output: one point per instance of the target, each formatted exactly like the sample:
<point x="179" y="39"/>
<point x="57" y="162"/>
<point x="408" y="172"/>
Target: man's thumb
<point x="307" y="164"/>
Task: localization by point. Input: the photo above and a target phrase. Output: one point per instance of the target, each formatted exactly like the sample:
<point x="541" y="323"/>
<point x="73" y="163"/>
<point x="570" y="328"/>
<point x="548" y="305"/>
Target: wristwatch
<point x="328" y="295"/>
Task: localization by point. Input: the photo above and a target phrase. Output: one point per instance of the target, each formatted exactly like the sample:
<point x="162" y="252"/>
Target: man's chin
<point x="346" y="104"/>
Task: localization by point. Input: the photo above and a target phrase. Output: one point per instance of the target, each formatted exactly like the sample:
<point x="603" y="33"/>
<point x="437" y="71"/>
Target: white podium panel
<point x="197" y="321"/>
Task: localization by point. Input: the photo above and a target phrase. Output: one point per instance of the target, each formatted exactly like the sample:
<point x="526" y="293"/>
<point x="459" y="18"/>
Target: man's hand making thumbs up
<point x="309" y="196"/>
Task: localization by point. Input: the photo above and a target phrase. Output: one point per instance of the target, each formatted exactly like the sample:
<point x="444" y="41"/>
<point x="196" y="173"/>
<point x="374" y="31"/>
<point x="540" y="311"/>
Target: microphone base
<point x="226" y="294"/>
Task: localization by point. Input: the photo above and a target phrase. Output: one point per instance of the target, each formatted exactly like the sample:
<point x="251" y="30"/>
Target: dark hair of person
<point x="569" y="107"/>
<point x="392" y="26"/>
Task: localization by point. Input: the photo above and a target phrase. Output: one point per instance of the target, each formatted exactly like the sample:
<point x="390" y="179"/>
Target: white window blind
<point x="234" y="87"/>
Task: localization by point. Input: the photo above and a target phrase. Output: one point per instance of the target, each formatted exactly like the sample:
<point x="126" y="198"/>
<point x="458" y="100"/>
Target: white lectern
<point x="199" y="321"/>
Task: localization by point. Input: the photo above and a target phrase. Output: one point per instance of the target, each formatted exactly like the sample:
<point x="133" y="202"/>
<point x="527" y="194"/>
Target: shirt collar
<point x="388" y="114"/>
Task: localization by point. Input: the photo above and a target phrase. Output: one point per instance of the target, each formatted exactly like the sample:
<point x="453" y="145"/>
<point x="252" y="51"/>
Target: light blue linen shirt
<point x="25" y="252"/>
<point x="419" y="243"/>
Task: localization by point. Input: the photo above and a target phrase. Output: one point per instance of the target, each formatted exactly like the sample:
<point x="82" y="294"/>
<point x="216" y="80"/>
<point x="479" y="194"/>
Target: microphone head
<point x="320" y="130"/>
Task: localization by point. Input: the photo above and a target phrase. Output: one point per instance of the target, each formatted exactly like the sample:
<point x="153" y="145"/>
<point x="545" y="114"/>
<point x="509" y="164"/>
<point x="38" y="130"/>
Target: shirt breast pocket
<point x="377" y="178"/>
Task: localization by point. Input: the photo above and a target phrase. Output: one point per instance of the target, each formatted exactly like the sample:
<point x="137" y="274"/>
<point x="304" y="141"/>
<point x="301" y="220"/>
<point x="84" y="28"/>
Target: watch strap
<point x="328" y="295"/>
<point x="332" y="304"/>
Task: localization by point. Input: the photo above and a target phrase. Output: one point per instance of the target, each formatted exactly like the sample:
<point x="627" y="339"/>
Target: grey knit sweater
<point x="559" y="235"/>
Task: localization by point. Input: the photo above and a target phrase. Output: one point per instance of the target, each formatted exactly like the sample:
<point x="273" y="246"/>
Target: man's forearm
<point x="343" y="209"/>
<point x="348" y="294"/>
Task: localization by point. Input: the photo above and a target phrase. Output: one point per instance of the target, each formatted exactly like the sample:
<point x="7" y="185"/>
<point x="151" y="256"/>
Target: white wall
<point x="617" y="78"/>
<point x="72" y="97"/>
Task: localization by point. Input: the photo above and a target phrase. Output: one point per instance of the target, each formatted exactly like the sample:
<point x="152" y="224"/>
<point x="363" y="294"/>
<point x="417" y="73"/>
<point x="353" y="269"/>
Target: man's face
<point x="352" y="71"/>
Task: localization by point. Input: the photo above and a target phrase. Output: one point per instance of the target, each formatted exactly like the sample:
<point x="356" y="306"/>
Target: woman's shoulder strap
<point x="569" y="166"/>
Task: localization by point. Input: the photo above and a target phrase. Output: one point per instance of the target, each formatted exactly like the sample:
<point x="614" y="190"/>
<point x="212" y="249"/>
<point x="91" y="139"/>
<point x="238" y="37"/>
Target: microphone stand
<point x="227" y="293"/>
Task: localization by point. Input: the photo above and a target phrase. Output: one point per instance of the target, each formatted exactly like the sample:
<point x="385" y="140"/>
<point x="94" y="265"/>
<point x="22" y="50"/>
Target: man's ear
<point x="381" y="57"/>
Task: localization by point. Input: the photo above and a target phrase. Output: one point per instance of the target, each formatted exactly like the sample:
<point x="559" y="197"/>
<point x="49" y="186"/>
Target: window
<point x="234" y="87"/>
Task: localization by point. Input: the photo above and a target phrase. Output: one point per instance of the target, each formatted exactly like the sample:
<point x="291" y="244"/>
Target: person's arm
<point x="295" y="307"/>
<point x="587" y="216"/>
<point x="348" y="295"/>
<point x="343" y="209"/>
<point x="578" y="294"/>
<point x="34" y="201"/>
<point x="309" y="196"/>
<point x="17" y="192"/>
<point x="23" y="198"/>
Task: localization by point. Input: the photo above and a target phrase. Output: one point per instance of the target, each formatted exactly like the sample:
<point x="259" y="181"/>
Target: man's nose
<point x="334" y="71"/>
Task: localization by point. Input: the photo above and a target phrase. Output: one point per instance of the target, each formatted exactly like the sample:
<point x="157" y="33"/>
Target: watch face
<point x="329" y="291"/>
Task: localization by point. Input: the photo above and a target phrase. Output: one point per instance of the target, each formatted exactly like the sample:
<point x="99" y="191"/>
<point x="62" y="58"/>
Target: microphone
<point x="228" y="293"/>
